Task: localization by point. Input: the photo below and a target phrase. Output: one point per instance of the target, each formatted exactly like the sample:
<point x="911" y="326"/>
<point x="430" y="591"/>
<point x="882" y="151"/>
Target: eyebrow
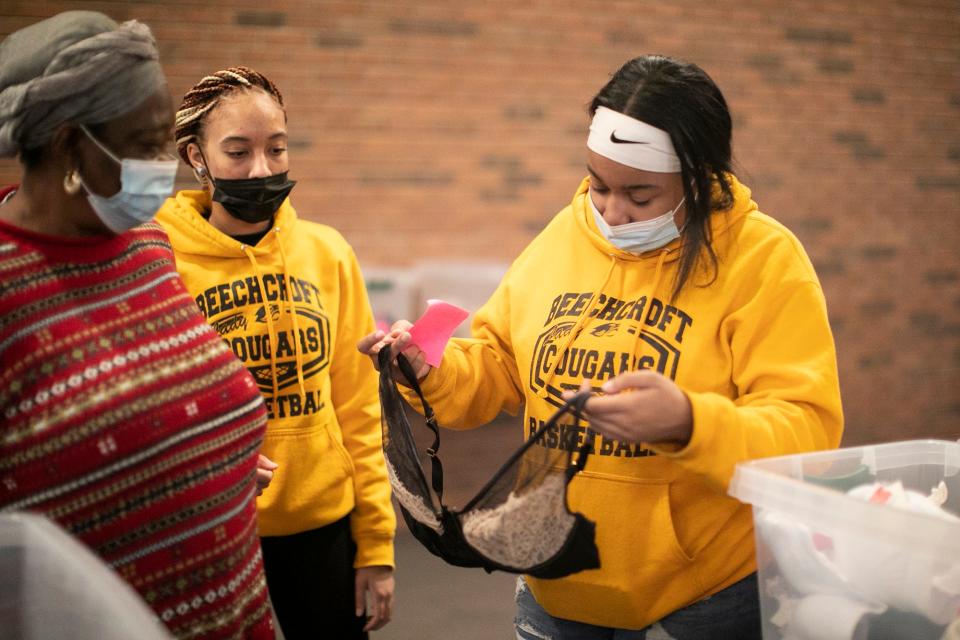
<point x="279" y="134"/>
<point x="630" y="187"/>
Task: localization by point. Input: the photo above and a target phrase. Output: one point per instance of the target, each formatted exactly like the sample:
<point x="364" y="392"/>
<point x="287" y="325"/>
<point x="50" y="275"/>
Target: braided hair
<point x="206" y="95"/>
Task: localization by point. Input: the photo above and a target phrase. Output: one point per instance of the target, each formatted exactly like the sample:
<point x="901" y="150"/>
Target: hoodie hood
<point x="191" y="233"/>
<point x="658" y="259"/>
<point x="193" y="237"/>
<point x="720" y="222"/>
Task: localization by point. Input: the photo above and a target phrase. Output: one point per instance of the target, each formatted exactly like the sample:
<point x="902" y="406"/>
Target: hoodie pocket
<point x="645" y="573"/>
<point x="313" y="484"/>
<point x="672" y="524"/>
<point x="634" y="518"/>
<point x="336" y="438"/>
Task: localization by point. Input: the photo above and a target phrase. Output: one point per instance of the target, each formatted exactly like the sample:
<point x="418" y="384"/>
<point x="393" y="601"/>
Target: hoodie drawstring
<point x="657" y="274"/>
<point x="298" y="352"/>
<point x="575" y="330"/>
<point x="274" y="340"/>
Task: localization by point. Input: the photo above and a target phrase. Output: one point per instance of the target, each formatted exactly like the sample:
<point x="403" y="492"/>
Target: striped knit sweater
<point x="126" y="419"/>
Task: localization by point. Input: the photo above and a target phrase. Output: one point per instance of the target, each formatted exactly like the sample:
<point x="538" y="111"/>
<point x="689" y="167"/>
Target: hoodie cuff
<point x="704" y="454"/>
<point x="432" y="387"/>
<point x="699" y="412"/>
<point x="374" y="550"/>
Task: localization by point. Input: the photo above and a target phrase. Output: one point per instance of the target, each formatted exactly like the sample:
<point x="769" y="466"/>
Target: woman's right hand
<point x="398" y="341"/>
<point x="265" y="470"/>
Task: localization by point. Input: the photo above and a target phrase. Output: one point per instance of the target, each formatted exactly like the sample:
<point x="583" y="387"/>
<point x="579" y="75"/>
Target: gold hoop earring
<point x="71" y="183"/>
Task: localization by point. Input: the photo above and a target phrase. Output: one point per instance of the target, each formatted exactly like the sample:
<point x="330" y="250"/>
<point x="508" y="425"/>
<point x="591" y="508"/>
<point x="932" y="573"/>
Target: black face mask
<point x="252" y="199"/>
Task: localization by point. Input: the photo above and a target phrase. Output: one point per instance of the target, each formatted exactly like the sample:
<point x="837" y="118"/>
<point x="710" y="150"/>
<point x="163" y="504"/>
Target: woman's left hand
<point x="378" y="582"/>
<point x="640" y="406"/>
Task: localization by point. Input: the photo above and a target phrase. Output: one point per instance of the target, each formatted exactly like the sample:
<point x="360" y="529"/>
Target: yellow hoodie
<point x="292" y="309"/>
<point x="752" y="350"/>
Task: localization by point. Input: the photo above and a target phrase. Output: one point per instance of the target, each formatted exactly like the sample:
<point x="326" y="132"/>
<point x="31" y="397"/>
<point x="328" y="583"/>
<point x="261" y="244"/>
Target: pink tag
<point x="434" y="328"/>
<point x="822" y="542"/>
<point x="880" y="496"/>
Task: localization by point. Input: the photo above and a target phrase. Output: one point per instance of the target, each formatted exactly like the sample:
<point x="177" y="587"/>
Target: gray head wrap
<point x="77" y="66"/>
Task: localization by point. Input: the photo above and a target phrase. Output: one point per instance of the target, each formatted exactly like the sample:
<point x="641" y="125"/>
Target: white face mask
<point x="144" y="185"/>
<point x="638" y="237"/>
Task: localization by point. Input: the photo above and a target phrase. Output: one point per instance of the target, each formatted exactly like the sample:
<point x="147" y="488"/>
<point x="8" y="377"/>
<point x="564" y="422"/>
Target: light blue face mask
<point x="144" y="185"/>
<point x="638" y="237"/>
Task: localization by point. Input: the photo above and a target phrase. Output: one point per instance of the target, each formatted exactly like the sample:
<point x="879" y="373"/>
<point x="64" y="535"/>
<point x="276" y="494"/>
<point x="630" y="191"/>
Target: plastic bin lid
<point x="53" y="586"/>
<point x="804" y="487"/>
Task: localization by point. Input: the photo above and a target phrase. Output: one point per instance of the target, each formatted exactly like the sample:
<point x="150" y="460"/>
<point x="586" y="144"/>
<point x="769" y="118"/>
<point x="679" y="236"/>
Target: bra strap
<point x="575" y="406"/>
<point x="436" y="468"/>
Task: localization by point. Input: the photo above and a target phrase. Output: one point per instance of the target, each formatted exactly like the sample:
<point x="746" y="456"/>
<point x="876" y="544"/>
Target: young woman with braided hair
<point x="288" y="297"/>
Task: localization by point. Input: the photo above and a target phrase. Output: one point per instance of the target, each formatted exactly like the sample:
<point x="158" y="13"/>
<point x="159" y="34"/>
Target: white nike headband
<point x="631" y="142"/>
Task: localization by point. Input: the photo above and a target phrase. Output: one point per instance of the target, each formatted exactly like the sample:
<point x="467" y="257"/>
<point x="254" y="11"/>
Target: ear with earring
<point x="201" y="174"/>
<point x="71" y="182"/>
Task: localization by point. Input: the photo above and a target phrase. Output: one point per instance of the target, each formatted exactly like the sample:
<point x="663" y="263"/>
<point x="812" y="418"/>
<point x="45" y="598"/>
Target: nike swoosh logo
<point x="615" y="139"/>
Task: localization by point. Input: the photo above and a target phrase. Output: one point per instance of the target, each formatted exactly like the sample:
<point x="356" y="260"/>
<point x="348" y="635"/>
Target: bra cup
<point x="449" y="545"/>
<point x="503" y="528"/>
<point x="527" y="529"/>
<point x="578" y="554"/>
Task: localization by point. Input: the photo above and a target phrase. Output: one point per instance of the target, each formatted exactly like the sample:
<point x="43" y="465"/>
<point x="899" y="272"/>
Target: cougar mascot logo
<point x="630" y="335"/>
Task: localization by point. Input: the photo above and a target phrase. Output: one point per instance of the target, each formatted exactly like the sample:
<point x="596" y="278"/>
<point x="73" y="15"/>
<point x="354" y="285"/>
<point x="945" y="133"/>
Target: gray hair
<point x="78" y="66"/>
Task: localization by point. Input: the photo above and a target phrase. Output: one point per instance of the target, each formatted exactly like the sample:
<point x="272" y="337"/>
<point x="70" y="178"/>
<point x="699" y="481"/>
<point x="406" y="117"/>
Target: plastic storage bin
<point x="832" y="566"/>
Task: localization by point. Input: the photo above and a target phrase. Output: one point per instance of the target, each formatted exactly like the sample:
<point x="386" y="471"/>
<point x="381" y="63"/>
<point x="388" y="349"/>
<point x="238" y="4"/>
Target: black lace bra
<point x="518" y="522"/>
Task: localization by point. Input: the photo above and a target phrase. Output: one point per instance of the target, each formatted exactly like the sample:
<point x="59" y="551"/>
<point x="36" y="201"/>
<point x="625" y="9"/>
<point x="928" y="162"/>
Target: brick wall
<point x="455" y="130"/>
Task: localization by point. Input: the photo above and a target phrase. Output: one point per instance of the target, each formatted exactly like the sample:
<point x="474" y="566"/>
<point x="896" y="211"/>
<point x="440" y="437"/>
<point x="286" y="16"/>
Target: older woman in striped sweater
<point x="123" y="416"/>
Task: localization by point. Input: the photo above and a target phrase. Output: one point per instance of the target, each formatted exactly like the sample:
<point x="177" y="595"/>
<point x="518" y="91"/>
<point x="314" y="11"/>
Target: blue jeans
<point x="730" y="614"/>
